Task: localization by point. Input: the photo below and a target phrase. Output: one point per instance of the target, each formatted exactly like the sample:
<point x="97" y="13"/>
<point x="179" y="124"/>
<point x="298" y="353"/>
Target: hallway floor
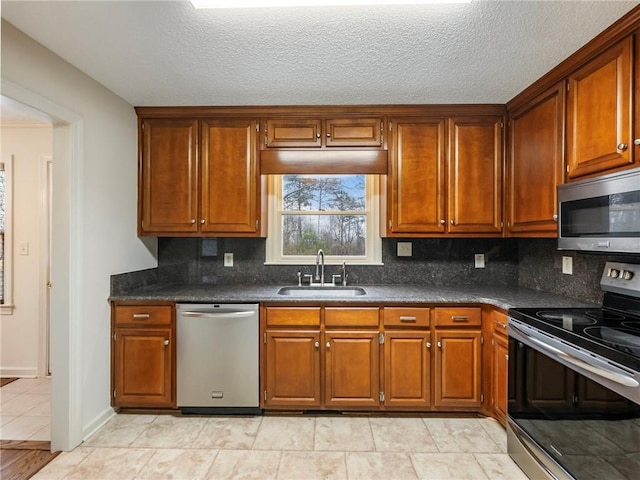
<point x="25" y="410"/>
<point x="289" y="447"/>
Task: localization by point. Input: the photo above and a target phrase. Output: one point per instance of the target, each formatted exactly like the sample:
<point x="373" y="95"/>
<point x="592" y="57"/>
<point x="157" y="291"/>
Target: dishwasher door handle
<point x="205" y="314"/>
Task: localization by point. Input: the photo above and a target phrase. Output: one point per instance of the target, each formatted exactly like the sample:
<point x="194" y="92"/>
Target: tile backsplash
<point x="434" y="262"/>
<point x="531" y="263"/>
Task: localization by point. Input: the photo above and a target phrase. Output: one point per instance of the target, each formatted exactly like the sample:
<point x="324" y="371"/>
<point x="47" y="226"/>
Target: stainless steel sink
<point x="322" y="291"/>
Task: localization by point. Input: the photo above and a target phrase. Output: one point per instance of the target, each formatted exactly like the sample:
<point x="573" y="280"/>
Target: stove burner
<point x="623" y="339"/>
<point x="566" y="318"/>
<point x="605" y="315"/>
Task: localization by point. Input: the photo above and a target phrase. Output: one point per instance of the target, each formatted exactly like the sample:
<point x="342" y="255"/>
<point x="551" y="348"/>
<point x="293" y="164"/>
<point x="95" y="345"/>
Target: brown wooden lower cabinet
<point x="143" y="356"/>
<point x="457" y="369"/>
<point x="407" y="369"/>
<point x="293" y="369"/>
<point x="352" y="369"/>
<point x="500" y="363"/>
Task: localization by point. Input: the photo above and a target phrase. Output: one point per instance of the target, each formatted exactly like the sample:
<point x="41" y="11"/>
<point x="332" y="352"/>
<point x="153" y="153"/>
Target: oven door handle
<point x="602" y="372"/>
<point x="613" y="376"/>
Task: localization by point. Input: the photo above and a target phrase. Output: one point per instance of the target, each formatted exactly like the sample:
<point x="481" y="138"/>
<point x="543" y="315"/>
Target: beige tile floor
<point x="25" y="410"/>
<point x="297" y="447"/>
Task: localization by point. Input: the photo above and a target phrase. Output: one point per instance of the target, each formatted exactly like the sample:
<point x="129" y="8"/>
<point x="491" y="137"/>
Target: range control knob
<point x="627" y="274"/>
<point x="613" y="273"/>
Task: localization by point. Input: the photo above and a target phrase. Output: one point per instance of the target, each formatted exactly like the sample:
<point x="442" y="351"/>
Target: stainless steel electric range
<point x="574" y="385"/>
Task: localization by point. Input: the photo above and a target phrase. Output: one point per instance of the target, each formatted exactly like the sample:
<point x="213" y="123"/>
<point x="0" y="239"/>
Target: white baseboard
<point x="97" y="423"/>
<point x="20" y="372"/>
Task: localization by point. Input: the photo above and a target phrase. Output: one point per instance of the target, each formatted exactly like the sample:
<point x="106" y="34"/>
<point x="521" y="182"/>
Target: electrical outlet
<point x="228" y="259"/>
<point x="404" y="249"/>
<point x="567" y="265"/>
<point x="479" y="260"/>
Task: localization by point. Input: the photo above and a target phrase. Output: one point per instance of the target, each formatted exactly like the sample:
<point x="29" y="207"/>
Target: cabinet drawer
<point x="458" y="317"/>
<point x="351" y="317"/>
<point x="406" y="317"/>
<point x="500" y="325"/>
<point x="138" y="314"/>
<point x="301" y="317"/>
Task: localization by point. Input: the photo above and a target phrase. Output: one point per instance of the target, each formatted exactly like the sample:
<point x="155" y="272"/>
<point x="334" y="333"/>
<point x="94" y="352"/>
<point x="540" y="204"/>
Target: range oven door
<point x="563" y="422"/>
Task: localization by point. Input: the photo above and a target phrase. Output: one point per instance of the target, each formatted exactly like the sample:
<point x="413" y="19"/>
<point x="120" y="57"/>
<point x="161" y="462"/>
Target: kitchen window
<point x="336" y="213"/>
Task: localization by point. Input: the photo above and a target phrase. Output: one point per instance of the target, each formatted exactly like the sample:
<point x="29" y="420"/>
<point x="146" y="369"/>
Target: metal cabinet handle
<point x="328" y="345"/>
<point x="636" y="141"/>
<point x="328" y="134"/>
<point x="501" y="325"/>
<point x="459" y="318"/>
<point x="317" y="344"/>
<point x="442" y="222"/>
<point x="439" y="344"/>
<point x="622" y="147"/>
<point x="166" y="342"/>
<point x="407" y="319"/>
<point x="428" y="344"/>
<point x="317" y="135"/>
<point x="452" y="223"/>
<point x="555" y="217"/>
<point x="202" y="221"/>
<point x="141" y="316"/>
<point x="193" y="220"/>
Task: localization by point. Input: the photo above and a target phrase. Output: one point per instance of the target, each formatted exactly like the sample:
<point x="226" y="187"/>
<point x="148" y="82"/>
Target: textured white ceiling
<point x="167" y="53"/>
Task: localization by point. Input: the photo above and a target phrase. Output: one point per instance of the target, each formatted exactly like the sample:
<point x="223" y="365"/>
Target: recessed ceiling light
<point x="309" y="3"/>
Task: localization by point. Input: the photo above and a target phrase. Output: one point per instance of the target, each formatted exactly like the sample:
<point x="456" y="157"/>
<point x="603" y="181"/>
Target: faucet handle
<point x="299" y="278"/>
<point x="333" y="278"/>
<point x="308" y="276"/>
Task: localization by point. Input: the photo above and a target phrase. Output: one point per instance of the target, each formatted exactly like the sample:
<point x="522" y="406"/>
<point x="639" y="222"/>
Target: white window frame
<point x="7" y="307"/>
<point x="274" y="254"/>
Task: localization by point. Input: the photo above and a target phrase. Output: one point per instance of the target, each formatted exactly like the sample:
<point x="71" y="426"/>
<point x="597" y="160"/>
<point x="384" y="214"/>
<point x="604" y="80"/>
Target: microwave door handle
<point x="602" y="372"/>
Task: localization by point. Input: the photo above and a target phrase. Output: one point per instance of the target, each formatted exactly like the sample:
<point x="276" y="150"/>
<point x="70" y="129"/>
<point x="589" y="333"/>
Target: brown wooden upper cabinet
<point x="318" y="132"/>
<point x="535" y="165"/>
<point x="599" y="113"/>
<point x="211" y="190"/>
<point x="445" y="176"/>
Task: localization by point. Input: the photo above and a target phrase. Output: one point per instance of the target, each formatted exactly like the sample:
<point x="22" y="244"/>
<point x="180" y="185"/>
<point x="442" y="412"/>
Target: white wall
<point x="20" y="331"/>
<point x="99" y="188"/>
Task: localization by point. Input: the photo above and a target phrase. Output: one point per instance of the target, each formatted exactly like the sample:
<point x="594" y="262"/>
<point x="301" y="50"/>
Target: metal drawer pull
<point x="407" y="319"/>
<point x="459" y="318"/>
<point x="141" y="315"/>
<point x="501" y="325"/>
<point x="166" y="342"/>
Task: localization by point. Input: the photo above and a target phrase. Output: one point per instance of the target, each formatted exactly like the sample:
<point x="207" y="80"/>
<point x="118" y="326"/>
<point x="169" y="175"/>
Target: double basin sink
<point x="329" y="291"/>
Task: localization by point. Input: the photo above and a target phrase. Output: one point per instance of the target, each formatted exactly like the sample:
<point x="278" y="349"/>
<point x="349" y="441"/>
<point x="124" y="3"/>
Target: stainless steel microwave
<point x="601" y="214"/>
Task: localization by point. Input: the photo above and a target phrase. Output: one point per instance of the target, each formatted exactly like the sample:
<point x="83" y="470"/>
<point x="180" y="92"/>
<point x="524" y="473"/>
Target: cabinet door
<point x="500" y="363"/>
<point x="168" y="188"/>
<point x="535" y="165"/>
<point x="353" y="132"/>
<point x="417" y="176"/>
<point x="407" y="369"/>
<point x="457" y="369"/>
<point x="599" y="126"/>
<point x="475" y="175"/>
<point x="229" y="177"/>
<point x="352" y="369"/>
<point x="293" y="369"/>
<point x="293" y="133"/>
<point x="143" y="368"/>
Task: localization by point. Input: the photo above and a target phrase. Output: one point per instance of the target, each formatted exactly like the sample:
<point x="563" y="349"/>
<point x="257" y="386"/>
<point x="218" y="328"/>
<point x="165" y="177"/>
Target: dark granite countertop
<point x="499" y="296"/>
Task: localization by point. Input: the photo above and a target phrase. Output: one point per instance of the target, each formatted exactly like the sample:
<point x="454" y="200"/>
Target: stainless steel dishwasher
<point x="217" y="358"/>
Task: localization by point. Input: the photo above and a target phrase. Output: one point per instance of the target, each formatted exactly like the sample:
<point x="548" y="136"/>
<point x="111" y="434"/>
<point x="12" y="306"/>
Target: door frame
<point x="66" y="395"/>
<point x="45" y="187"/>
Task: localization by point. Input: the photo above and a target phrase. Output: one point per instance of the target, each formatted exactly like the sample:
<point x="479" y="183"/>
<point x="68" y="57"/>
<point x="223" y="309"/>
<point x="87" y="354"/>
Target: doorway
<point x="27" y="150"/>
